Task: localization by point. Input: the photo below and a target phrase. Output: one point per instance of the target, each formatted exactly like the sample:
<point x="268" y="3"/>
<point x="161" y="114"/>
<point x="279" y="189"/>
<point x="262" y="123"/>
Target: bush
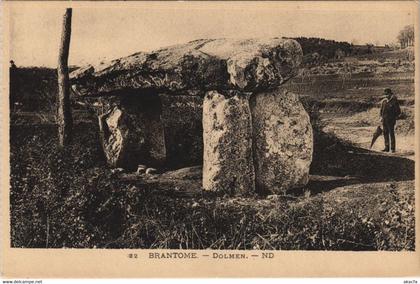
<point x="50" y="186"/>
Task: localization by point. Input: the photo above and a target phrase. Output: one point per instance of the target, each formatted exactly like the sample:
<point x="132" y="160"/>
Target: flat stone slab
<point x="197" y="66"/>
<point x="184" y="182"/>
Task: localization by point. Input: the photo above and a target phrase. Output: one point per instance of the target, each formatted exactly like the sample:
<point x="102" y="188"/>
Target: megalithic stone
<point x="204" y="65"/>
<point x="132" y="133"/>
<point x="112" y="136"/>
<point x="227" y="135"/>
<point x="282" y="141"/>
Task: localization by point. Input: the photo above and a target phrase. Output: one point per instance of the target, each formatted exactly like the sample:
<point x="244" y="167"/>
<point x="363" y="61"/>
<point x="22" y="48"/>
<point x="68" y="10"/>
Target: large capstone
<point x="203" y="65"/>
<point x="282" y="141"/>
<point x="227" y="135"/>
<point x="131" y="131"/>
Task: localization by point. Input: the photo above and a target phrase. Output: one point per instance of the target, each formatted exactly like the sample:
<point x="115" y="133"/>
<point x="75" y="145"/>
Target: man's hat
<point x="388" y="91"/>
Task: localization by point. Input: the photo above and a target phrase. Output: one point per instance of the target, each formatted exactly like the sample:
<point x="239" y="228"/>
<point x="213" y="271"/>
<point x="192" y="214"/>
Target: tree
<point x="409" y="31"/>
<point x="65" y="121"/>
<point x="401" y="39"/>
<point x="406" y="36"/>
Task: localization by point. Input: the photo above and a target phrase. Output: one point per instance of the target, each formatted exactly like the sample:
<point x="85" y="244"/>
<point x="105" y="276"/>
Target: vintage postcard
<point x="209" y="139"/>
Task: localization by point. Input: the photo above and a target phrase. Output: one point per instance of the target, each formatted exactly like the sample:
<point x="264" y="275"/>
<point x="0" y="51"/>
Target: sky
<point x="103" y="30"/>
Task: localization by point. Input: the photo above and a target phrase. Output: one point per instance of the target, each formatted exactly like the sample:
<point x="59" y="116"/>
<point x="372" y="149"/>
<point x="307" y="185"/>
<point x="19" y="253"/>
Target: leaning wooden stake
<point x="64" y="119"/>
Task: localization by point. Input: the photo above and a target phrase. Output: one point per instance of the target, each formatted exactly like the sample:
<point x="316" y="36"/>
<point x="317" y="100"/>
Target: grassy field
<point x="357" y="198"/>
<point x="71" y="199"/>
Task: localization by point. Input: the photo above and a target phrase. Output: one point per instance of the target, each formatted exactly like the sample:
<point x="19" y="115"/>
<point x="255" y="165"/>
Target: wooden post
<point x="64" y="119"/>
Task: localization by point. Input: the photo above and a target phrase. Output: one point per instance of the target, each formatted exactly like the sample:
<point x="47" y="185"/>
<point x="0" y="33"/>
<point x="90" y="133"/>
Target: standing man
<point x="390" y="111"/>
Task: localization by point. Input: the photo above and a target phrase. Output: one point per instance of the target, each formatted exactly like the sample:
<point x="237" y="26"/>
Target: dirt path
<point x="349" y="129"/>
<point x="365" y="167"/>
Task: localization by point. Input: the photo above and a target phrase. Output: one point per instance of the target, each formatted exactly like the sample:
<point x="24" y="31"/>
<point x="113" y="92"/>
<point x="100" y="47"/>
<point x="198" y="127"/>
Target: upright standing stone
<point x="282" y="141"/>
<point x="132" y="132"/>
<point x="112" y="135"/>
<point x="227" y="135"/>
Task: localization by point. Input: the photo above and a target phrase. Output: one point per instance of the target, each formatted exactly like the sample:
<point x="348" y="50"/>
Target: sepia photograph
<point x="239" y="136"/>
<point x="226" y="126"/>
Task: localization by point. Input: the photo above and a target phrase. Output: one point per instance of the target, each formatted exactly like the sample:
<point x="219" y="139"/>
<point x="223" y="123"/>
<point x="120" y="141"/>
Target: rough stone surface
<point x="282" y="141"/>
<point x="184" y="182"/>
<point x="181" y="119"/>
<point x="204" y="65"/>
<point x="112" y="135"/>
<point x="193" y="173"/>
<point x="227" y="134"/>
<point x="132" y="132"/>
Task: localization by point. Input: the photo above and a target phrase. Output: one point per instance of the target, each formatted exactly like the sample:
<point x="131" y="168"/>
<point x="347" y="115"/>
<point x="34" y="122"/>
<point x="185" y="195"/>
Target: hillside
<point x="35" y="88"/>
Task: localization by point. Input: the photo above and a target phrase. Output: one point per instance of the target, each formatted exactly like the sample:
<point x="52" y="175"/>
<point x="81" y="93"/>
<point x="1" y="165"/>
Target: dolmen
<point x="256" y="136"/>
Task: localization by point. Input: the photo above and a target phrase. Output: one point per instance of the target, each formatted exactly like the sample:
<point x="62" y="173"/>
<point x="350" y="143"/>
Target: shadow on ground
<point x="337" y="167"/>
<point x="352" y="165"/>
